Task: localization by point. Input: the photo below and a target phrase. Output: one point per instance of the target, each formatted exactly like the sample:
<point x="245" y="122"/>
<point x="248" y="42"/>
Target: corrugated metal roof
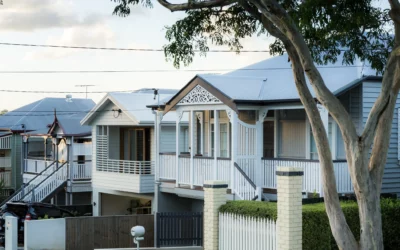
<point x="38" y="115"/>
<point x="272" y="79"/>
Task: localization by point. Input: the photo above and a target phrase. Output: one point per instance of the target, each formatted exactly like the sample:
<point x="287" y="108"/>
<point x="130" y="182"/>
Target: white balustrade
<point x="167" y="166"/>
<point x="184" y="170"/>
<point x="5" y="142"/>
<point x="125" y="167"/>
<point x="48" y="185"/>
<point x="203" y="168"/>
<point x="224" y="170"/>
<point x="243" y="187"/>
<point x="5" y="162"/>
<point x="5" y="177"/>
<point x="312" y="174"/>
<point x="238" y="232"/>
<point x="82" y="149"/>
<point x="40" y="181"/>
<point x="36" y="166"/>
<point x="82" y="171"/>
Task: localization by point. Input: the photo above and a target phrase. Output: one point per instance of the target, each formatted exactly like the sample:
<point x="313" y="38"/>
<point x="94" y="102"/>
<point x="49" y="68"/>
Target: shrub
<point x="316" y="230"/>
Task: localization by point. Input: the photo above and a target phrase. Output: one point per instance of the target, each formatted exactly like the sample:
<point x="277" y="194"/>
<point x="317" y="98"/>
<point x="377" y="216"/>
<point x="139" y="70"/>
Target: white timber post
<point x="334" y="140"/>
<point x="178" y="131"/>
<point x="192" y="151"/>
<point x="214" y="198"/>
<point x="323" y="112"/>
<point x="260" y="147"/>
<point x="11" y="234"/>
<point x="216" y="142"/>
<point x="289" y="223"/>
<point x="200" y="116"/>
<point x="233" y="116"/>
<point x="157" y="136"/>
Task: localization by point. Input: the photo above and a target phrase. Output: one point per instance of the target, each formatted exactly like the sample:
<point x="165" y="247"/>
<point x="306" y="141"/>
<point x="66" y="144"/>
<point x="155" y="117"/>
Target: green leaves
<point x="355" y="29"/>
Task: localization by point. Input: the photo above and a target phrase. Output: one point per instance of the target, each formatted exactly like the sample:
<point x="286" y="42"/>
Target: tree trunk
<point x="370" y="220"/>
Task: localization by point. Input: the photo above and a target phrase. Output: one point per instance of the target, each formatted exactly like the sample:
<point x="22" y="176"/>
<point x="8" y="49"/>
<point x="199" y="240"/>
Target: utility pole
<point x="86" y="87"/>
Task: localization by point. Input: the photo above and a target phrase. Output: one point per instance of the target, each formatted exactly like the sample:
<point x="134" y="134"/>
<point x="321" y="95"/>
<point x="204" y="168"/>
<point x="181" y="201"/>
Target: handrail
<point x="245" y="175"/>
<point x="24" y="185"/>
<point x="296" y="159"/>
<point x="62" y="165"/>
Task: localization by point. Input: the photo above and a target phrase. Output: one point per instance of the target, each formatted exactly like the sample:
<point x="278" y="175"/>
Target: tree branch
<point x="343" y="234"/>
<point x="195" y="5"/>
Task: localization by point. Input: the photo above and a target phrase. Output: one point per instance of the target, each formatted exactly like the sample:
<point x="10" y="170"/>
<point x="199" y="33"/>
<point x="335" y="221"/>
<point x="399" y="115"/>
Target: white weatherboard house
<point x="64" y="149"/>
<point x="246" y="123"/>
<point x="124" y="151"/>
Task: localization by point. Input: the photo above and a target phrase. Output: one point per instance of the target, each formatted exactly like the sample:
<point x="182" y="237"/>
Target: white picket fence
<point x="238" y="232"/>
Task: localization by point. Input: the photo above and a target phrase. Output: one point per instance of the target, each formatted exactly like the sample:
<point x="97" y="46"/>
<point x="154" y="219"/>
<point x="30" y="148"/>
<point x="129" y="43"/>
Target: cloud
<point x="99" y="36"/>
<point x="31" y="15"/>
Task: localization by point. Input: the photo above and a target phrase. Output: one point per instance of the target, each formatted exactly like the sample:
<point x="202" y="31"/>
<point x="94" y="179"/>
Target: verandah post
<point x="191" y="172"/>
<point x="178" y="131"/>
<point x="234" y="121"/>
<point x="216" y="142"/>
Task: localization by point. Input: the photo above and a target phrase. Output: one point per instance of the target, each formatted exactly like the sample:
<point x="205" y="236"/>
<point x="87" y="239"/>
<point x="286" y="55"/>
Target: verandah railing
<point x="125" y="167"/>
<point x="203" y="169"/>
<point x="312" y="174"/>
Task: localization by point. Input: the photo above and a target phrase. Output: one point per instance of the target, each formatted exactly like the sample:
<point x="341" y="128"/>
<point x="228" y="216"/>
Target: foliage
<point x="316" y="229"/>
<point x="45" y="217"/>
<point x="4" y="111"/>
<point x="354" y="28"/>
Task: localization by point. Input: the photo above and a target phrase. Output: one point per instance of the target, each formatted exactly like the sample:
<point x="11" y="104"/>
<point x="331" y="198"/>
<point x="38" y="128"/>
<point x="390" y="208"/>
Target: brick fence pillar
<point x="289" y="223"/>
<point x="214" y="197"/>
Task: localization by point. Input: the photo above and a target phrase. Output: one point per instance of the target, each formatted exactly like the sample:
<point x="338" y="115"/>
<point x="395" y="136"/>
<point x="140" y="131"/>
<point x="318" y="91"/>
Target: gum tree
<point x="312" y="32"/>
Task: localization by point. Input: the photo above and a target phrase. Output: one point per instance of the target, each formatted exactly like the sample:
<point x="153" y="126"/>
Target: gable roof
<point x="133" y="105"/>
<point x="39" y="115"/>
<point x="272" y="80"/>
<point x="71" y="125"/>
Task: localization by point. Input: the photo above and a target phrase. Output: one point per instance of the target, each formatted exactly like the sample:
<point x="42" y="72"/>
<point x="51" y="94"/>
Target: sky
<point x="91" y="23"/>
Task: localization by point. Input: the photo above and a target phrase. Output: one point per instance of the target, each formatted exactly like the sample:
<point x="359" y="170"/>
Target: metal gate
<point x="179" y="229"/>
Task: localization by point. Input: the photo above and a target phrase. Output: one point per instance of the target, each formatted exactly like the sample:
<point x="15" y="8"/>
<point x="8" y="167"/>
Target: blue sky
<point x="91" y="23"/>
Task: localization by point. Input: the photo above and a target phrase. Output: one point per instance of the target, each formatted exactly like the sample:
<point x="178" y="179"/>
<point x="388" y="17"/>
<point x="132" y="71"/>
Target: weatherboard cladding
<point x="391" y="178"/>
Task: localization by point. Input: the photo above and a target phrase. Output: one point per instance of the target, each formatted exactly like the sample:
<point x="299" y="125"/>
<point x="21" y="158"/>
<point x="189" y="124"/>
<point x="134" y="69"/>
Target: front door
<point x="136" y="144"/>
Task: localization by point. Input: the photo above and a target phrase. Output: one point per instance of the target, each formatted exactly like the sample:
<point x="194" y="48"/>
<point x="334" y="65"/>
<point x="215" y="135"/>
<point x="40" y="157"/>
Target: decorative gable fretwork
<point x="199" y="95"/>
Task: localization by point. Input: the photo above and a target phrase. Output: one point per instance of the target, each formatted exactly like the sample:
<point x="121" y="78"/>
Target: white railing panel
<point x="243" y="188"/>
<point x="224" y="170"/>
<point x="125" y="167"/>
<point x="82" y="171"/>
<point x="36" y="166"/>
<point x="312" y="174"/>
<point x="203" y="170"/>
<point x="184" y="170"/>
<point x="343" y="179"/>
<point x="168" y="166"/>
<point x="237" y="232"/>
<point x="5" y="162"/>
<point x="5" y="142"/>
<point x="82" y="149"/>
<point x="48" y="185"/>
<point x="6" y="178"/>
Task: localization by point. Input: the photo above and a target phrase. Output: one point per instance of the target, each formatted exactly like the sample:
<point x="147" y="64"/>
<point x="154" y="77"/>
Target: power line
<point x="157" y="70"/>
<point x="62" y="92"/>
<point x="64" y="113"/>
<point x="119" y="48"/>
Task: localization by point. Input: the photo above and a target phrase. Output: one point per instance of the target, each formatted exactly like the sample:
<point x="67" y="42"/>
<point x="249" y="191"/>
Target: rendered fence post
<point x="11" y="236"/>
<point x="214" y="197"/>
<point x="289" y="223"/>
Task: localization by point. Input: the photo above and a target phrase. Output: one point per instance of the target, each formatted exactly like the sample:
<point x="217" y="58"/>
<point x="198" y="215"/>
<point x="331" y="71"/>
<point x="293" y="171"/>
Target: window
<point x="292" y="139"/>
<point x="223" y="140"/>
<point x="102" y="130"/>
<point x="136" y="144"/>
<point x="223" y="132"/>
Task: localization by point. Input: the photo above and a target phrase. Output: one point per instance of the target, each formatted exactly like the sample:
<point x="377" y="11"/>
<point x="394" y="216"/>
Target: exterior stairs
<point x="41" y="186"/>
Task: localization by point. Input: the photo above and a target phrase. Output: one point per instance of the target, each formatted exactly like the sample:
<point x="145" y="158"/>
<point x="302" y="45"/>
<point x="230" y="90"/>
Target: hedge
<point x="316" y="230"/>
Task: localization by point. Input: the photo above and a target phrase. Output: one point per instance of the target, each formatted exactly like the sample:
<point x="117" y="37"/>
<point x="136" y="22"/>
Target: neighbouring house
<point x="245" y="123"/>
<point x="37" y="116"/>
<point x="66" y="144"/>
<point x="124" y="151"/>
